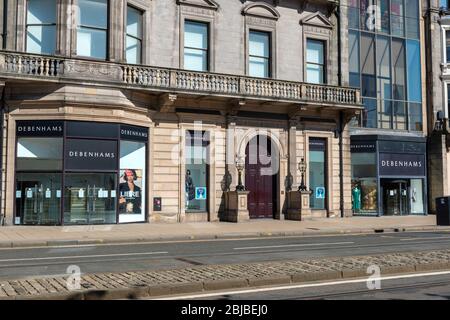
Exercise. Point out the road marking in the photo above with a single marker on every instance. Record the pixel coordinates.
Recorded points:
(431, 238)
(300, 286)
(87, 256)
(295, 245)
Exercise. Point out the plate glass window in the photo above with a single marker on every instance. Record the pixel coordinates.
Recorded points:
(92, 28)
(196, 175)
(259, 54)
(196, 46)
(41, 26)
(317, 173)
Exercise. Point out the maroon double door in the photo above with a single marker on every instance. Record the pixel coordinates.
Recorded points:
(262, 185)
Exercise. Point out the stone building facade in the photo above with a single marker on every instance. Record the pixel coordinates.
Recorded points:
(438, 81)
(138, 111)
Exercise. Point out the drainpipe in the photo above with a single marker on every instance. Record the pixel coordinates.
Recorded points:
(341, 115)
(2, 113)
(5, 23)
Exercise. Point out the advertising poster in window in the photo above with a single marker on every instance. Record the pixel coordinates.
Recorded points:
(130, 191)
(132, 182)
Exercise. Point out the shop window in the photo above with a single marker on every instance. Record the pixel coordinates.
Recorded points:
(90, 198)
(134, 36)
(39, 154)
(38, 198)
(132, 183)
(92, 28)
(315, 61)
(197, 171)
(259, 54)
(41, 26)
(417, 196)
(364, 183)
(196, 52)
(317, 173)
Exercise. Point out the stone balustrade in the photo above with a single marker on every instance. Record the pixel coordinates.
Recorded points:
(35, 66)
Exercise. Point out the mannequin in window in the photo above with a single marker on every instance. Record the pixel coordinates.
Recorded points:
(189, 188)
(356, 196)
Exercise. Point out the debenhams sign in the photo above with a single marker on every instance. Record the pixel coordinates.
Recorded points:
(39, 128)
(391, 164)
(82, 154)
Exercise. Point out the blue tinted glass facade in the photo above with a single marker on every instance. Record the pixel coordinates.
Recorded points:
(385, 62)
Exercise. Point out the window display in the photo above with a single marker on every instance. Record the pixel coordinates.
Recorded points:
(196, 176)
(317, 172)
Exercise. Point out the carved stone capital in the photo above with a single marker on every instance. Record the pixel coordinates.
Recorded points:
(166, 102)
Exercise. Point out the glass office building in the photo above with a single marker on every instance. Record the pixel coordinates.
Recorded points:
(385, 63)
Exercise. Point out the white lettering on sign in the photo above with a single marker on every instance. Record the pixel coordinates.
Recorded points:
(406, 164)
(91, 154)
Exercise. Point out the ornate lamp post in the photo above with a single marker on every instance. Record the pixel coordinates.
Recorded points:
(240, 165)
(302, 168)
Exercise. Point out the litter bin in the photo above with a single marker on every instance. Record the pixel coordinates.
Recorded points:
(443, 211)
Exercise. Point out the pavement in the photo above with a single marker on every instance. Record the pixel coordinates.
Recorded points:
(42, 236)
(196, 279)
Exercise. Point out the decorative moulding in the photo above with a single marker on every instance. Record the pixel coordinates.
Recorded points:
(261, 10)
(318, 20)
(207, 4)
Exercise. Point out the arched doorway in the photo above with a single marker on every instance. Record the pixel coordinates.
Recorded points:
(261, 177)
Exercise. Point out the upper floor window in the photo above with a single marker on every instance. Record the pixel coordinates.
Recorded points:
(196, 46)
(443, 4)
(315, 61)
(259, 54)
(92, 28)
(134, 36)
(447, 45)
(41, 26)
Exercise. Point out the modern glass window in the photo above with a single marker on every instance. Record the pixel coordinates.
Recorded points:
(134, 36)
(41, 26)
(364, 183)
(38, 197)
(90, 198)
(132, 182)
(398, 17)
(399, 69)
(259, 54)
(415, 117)
(197, 171)
(196, 43)
(318, 173)
(369, 118)
(417, 196)
(368, 77)
(315, 61)
(385, 60)
(39, 154)
(92, 28)
(354, 64)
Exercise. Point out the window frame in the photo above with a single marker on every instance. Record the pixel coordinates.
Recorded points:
(269, 58)
(208, 44)
(43, 25)
(324, 56)
(126, 35)
(107, 30)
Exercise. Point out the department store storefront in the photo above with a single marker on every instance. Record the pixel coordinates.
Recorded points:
(73, 172)
(388, 176)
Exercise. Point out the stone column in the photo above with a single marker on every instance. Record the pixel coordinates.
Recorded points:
(117, 12)
(64, 27)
